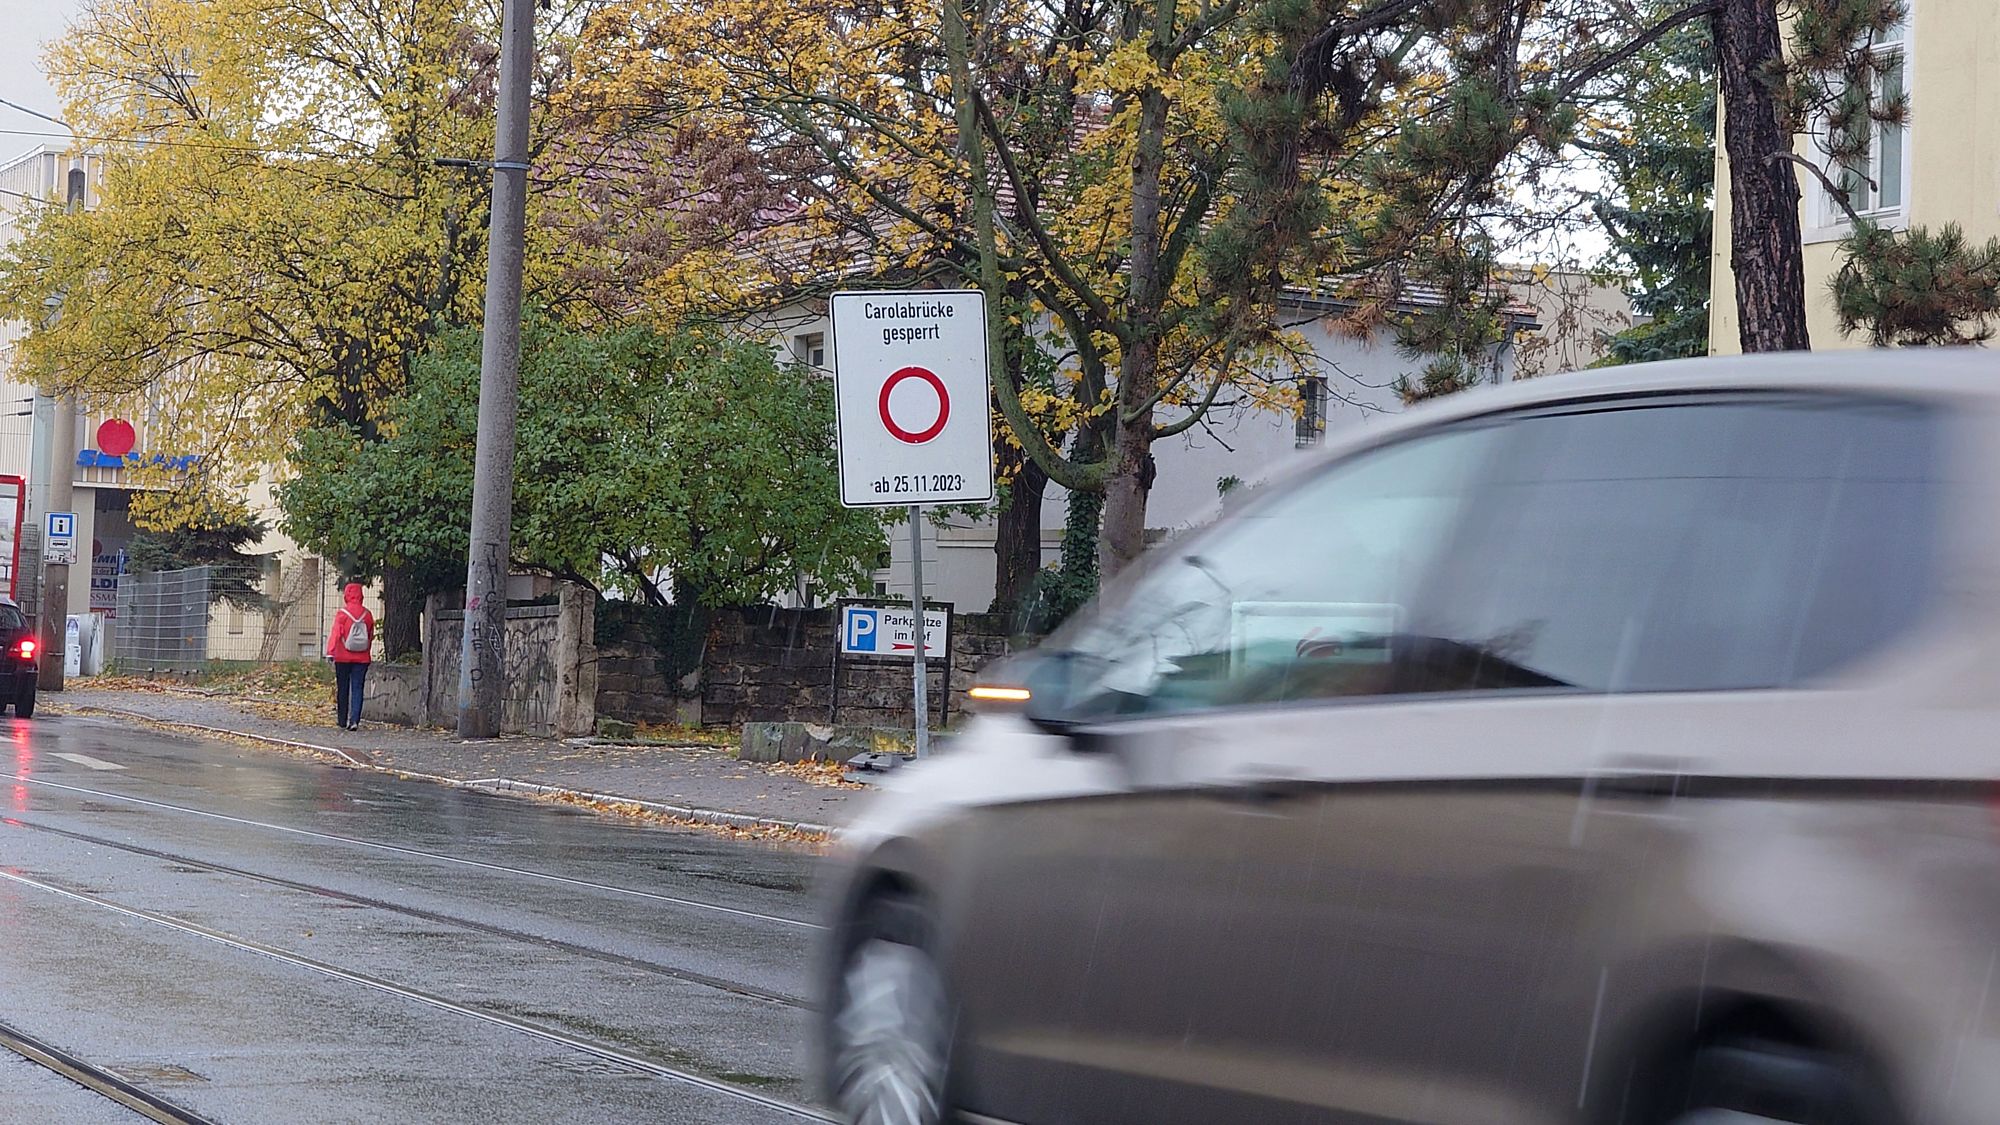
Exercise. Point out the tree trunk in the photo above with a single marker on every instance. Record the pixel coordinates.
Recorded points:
(1131, 476)
(1765, 247)
(1130, 479)
(1017, 543)
(402, 613)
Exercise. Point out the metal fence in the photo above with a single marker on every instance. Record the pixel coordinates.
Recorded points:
(28, 572)
(163, 621)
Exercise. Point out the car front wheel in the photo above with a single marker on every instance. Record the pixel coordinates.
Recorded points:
(891, 1026)
(1743, 1082)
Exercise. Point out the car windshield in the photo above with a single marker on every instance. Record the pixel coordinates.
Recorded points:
(1728, 545)
(1304, 591)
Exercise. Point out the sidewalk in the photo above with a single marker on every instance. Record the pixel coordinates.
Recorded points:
(700, 784)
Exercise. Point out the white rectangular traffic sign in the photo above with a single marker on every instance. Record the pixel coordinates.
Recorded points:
(884, 630)
(59, 540)
(911, 391)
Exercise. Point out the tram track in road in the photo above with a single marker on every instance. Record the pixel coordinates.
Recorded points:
(97, 1079)
(542, 1032)
(418, 853)
(687, 975)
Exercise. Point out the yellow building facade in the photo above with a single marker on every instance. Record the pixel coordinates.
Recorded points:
(1942, 167)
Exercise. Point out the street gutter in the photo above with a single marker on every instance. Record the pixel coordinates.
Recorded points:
(499, 786)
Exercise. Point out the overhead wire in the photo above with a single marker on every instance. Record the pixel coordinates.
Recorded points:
(248, 150)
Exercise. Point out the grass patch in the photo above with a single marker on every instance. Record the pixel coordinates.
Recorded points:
(684, 734)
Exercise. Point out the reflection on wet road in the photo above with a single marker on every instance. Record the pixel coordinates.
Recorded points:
(255, 938)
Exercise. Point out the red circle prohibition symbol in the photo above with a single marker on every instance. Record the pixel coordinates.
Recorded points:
(915, 437)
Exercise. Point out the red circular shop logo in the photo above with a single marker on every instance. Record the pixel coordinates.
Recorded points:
(116, 437)
(911, 435)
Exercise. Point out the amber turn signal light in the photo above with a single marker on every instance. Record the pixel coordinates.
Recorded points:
(994, 693)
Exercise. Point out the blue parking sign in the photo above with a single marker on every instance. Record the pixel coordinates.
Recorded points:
(890, 630)
(860, 629)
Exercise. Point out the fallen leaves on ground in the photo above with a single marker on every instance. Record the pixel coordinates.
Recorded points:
(301, 682)
(823, 772)
(304, 714)
(136, 683)
(766, 833)
(295, 681)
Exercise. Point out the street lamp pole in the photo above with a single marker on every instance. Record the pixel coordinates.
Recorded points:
(479, 665)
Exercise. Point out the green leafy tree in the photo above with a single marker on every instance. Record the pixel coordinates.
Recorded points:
(692, 470)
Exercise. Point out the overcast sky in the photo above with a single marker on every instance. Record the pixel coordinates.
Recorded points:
(24, 26)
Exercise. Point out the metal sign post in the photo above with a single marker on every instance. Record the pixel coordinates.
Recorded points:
(911, 388)
(920, 661)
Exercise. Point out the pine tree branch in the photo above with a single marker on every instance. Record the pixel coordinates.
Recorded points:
(1319, 47)
(1835, 192)
(1633, 46)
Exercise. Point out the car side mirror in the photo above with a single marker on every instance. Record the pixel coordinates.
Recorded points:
(1041, 686)
(1047, 680)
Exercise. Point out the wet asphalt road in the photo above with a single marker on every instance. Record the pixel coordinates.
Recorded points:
(261, 939)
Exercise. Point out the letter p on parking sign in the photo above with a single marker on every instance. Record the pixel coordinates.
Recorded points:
(860, 629)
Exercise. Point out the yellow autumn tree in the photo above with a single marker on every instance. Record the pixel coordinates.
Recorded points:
(274, 239)
(291, 207)
(1077, 161)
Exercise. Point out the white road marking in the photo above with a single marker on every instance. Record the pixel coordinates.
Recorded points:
(90, 762)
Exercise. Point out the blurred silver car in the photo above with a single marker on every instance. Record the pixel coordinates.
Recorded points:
(1616, 747)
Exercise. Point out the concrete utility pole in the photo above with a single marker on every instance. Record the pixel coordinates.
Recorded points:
(479, 662)
(62, 475)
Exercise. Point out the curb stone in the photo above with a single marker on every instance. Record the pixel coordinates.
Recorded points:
(681, 812)
(499, 786)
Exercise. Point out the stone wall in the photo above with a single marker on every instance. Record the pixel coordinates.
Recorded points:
(630, 686)
(550, 665)
(771, 665)
(394, 693)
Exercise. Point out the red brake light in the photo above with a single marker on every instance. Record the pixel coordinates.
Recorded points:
(26, 648)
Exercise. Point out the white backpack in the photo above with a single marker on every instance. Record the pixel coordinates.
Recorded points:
(357, 635)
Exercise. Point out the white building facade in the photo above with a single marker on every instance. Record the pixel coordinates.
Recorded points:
(1344, 382)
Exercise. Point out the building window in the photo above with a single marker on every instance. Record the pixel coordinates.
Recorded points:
(1874, 179)
(1312, 411)
(810, 349)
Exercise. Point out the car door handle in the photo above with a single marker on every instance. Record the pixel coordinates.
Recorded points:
(1259, 788)
(1643, 777)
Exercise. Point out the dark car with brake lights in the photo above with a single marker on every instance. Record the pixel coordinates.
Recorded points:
(20, 660)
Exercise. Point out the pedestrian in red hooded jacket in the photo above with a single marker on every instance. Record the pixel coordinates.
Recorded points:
(352, 646)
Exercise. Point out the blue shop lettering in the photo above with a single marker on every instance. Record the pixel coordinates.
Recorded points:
(95, 459)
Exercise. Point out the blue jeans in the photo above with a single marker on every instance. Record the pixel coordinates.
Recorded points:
(347, 682)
